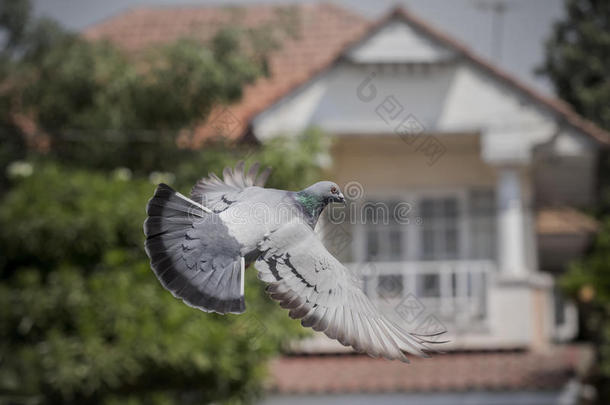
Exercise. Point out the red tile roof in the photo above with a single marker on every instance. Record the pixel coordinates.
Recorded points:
(323, 33)
(513, 371)
(564, 221)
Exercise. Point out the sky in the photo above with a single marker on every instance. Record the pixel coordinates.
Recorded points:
(517, 46)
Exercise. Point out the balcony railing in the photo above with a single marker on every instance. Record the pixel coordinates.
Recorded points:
(454, 291)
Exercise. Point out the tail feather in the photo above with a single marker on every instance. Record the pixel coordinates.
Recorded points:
(188, 256)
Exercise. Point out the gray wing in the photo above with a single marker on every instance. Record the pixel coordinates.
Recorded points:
(218, 194)
(306, 279)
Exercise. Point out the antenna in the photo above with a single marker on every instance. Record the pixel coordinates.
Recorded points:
(497, 8)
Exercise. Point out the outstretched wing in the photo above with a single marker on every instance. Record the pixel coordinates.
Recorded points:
(218, 194)
(306, 279)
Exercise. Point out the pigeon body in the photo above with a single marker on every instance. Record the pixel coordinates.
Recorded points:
(199, 248)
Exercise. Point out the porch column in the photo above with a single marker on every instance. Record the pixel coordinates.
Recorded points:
(511, 236)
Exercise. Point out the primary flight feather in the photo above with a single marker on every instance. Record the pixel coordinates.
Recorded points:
(199, 248)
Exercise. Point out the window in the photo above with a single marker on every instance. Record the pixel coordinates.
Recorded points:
(454, 225)
(384, 234)
(439, 229)
(482, 213)
(389, 286)
(559, 303)
(428, 285)
(372, 245)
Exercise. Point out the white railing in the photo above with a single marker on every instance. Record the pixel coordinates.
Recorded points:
(454, 291)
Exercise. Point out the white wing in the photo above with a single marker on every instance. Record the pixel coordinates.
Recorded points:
(306, 279)
(219, 194)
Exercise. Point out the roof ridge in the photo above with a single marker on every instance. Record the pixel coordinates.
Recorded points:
(110, 17)
(218, 6)
(556, 104)
(360, 28)
(344, 10)
(261, 4)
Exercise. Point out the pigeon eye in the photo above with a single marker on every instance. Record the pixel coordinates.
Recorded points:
(333, 190)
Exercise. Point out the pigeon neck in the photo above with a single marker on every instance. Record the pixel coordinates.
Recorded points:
(312, 205)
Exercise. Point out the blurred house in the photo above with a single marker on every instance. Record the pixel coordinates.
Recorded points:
(481, 179)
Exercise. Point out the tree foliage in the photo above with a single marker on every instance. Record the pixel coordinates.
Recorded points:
(82, 317)
(577, 60)
(100, 107)
(578, 56)
(588, 282)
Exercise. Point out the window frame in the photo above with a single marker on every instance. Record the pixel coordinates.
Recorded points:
(411, 241)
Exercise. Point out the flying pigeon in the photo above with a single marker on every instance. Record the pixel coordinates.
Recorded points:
(200, 246)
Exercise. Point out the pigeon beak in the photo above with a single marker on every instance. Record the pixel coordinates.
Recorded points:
(340, 199)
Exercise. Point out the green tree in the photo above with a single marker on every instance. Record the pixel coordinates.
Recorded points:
(577, 60)
(578, 56)
(101, 108)
(588, 282)
(83, 319)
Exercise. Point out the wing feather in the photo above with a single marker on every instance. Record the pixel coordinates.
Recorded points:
(218, 194)
(306, 279)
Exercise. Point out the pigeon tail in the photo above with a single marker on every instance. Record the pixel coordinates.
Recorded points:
(183, 242)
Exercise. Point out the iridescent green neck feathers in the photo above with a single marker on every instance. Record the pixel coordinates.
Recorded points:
(312, 204)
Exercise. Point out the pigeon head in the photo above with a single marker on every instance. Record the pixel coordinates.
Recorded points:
(316, 197)
(325, 191)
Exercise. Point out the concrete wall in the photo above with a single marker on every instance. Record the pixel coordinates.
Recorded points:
(386, 162)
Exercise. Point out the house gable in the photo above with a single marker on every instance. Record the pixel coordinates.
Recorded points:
(397, 42)
(445, 87)
(329, 36)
